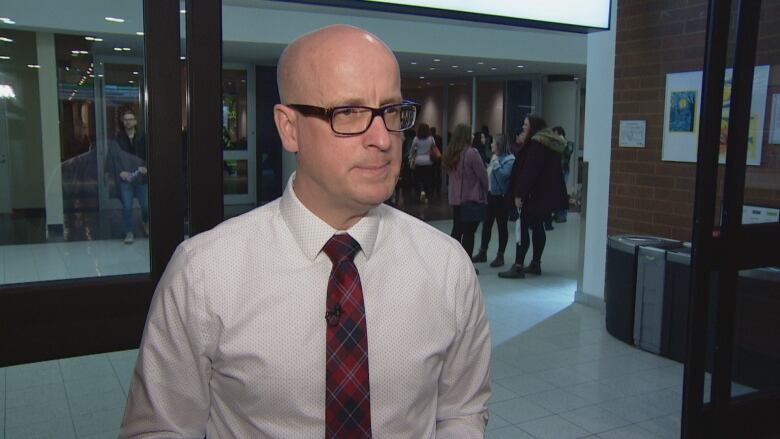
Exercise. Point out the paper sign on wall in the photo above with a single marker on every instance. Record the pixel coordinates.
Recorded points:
(632, 133)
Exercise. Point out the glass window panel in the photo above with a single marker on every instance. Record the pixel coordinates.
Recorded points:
(66, 155)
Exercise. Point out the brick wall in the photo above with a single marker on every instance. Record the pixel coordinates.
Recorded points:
(654, 38)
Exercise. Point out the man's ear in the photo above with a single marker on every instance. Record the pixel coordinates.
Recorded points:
(286, 124)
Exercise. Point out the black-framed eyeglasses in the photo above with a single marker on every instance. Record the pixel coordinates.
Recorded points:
(356, 119)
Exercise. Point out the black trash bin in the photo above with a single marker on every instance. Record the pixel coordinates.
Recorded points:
(620, 282)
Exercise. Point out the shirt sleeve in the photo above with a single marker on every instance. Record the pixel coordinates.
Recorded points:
(464, 384)
(169, 391)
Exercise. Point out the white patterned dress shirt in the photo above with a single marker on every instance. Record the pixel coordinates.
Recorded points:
(234, 345)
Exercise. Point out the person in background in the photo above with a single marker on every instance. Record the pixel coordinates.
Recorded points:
(499, 169)
(437, 183)
(423, 163)
(536, 187)
(487, 141)
(560, 215)
(343, 317)
(126, 162)
(467, 189)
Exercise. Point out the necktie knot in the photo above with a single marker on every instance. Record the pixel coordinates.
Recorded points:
(341, 247)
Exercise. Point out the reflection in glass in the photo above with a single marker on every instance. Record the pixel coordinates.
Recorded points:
(62, 147)
(235, 177)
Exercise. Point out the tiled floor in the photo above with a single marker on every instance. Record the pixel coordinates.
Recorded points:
(556, 372)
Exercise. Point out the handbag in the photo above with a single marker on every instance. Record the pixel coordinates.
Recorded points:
(435, 153)
(412, 158)
(470, 210)
(514, 214)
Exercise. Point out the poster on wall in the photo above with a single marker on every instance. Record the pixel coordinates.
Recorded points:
(682, 106)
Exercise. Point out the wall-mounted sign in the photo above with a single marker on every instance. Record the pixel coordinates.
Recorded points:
(569, 15)
(632, 133)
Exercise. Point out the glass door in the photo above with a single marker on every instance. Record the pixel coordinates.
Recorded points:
(238, 138)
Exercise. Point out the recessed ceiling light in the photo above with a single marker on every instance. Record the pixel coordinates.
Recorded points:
(414, 63)
(469, 71)
(135, 73)
(7, 20)
(454, 67)
(117, 49)
(83, 52)
(100, 75)
(115, 20)
(436, 60)
(91, 76)
(422, 77)
(520, 66)
(93, 39)
(6, 40)
(131, 81)
(479, 63)
(576, 78)
(431, 68)
(34, 66)
(140, 34)
(182, 11)
(125, 49)
(492, 68)
(182, 58)
(5, 57)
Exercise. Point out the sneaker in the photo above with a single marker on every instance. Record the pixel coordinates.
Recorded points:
(129, 238)
(480, 257)
(498, 261)
(146, 229)
(534, 268)
(514, 272)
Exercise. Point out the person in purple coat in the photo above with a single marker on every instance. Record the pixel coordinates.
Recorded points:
(467, 191)
(536, 186)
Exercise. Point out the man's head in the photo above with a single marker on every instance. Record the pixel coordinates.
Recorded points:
(339, 177)
(129, 121)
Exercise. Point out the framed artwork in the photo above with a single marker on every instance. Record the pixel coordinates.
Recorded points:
(682, 110)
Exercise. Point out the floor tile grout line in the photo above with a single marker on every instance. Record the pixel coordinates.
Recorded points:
(116, 375)
(67, 399)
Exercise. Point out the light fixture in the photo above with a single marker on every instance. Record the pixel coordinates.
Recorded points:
(454, 67)
(436, 60)
(479, 63)
(131, 81)
(100, 75)
(5, 57)
(117, 49)
(469, 71)
(520, 66)
(6, 40)
(492, 68)
(96, 39)
(34, 66)
(91, 76)
(7, 20)
(422, 77)
(125, 49)
(140, 34)
(182, 58)
(431, 68)
(182, 11)
(6, 92)
(115, 20)
(135, 73)
(414, 63)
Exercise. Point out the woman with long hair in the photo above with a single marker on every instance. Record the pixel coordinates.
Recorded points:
(536, 187)
(423, 163)
(468, 185)
(499, 170)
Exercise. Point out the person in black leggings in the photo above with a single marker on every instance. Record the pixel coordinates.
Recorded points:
(537, 188)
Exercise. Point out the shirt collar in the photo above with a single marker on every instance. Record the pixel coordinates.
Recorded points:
(311, 233)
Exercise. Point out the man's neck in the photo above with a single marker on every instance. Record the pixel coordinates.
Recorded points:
(130, 132)
(338, 219)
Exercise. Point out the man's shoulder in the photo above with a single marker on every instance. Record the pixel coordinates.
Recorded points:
(407, 229)
(239, 229)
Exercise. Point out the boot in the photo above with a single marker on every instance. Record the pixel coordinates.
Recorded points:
(514, 272)
(481, 256)
(498, 261)
(535, 267)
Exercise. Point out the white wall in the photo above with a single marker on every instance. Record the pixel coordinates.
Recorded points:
(459, 108)
(559, 105)
(597, 151)
(490, 106)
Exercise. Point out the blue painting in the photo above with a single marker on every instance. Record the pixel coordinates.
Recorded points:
(682, 111)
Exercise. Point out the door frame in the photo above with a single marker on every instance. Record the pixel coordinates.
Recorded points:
(735, 247)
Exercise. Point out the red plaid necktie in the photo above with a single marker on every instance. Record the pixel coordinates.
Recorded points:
(348, 401)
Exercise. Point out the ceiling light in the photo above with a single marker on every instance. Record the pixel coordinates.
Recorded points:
(452, 83)
(414, 63)
(422, 77)
(520, 66)
(5, 57)
(131, 81)
(140, 34)
(125, 49)
(576, 78)
(100, 75)
(454, 67)
(7, 20)
(34, 66)
(135, 73)
(117, 49)
(479, 63)
(436, 60)
(431, 68)
(91, 76)
(469, 71)
(182, 11)
(492, 68)
(115, 20)
(182, 58)
(6, 40)
(83, 52)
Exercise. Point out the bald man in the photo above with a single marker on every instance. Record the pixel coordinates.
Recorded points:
(324, 313)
